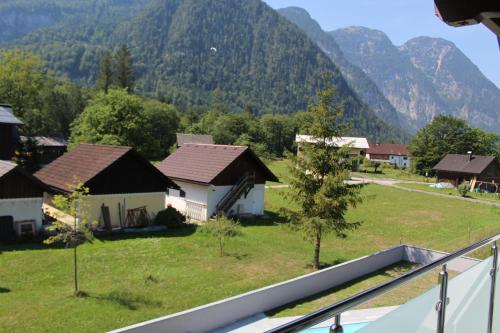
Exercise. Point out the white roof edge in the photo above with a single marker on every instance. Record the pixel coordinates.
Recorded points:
(354, 142)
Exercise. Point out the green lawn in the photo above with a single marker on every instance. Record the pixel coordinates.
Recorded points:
(451, 191)
(399, 174)
(134, 278)
(280, 169)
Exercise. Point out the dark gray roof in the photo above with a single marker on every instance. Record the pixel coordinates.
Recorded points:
(7, 116)
(462, 164)
(6, 167)
(45, 141)
(182, 139)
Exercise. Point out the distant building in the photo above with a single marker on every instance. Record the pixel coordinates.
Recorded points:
(182, 139)
(49, 148)
(394, 154)
(358, 146)
(455, 169)
(21, 197)
(9, 134)
(216, 179)
(120, 181)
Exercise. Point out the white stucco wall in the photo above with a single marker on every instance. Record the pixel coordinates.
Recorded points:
(209, 196)
(23, 209)
(154, 203)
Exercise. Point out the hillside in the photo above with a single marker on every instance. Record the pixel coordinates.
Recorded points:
(366, 89)
(261, 59)
(423, 78)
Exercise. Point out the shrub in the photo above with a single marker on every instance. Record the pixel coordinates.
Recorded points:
(171, 218)
(463, 189)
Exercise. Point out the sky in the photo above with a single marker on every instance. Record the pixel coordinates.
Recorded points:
(402, 20)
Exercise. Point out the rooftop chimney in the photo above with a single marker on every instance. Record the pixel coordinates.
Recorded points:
(469, 153)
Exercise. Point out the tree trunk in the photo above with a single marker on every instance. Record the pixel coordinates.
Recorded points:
(76, 270)
(317, 248)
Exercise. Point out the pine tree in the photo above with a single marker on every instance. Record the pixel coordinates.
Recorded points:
(105, 78)
(124, 69)
(318, 178)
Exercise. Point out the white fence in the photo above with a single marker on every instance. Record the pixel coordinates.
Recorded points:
(219, 314)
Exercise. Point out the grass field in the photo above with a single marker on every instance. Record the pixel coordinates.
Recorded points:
(133, 278)
(280, 169)
(399, 174)
(451, 191)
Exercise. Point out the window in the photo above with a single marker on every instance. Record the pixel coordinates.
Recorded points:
(405, 158)
(182, 193)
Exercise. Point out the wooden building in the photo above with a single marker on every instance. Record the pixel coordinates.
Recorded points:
(455, 169)
(48, 148)
(216, 179)
(9, 135)
(21, 197)
(119, 179)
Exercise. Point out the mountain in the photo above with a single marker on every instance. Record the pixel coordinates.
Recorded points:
(366, 89)
(184, 49)
(457, 80)
(423, 78)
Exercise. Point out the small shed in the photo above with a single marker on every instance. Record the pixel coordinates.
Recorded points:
(9, 134)
(182, 139)
(455, 169)
(48, 148)
(216, 179)
(120, 181)
(21, 197)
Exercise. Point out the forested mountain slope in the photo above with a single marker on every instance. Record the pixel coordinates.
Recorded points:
(184, 49)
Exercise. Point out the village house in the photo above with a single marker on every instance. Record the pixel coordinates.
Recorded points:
(358, 146)
(480, 171)
(182, 139)
(21, 197)
(393, 154)
(48, 148)
(123, 185)
(9, 134)
(216, 179)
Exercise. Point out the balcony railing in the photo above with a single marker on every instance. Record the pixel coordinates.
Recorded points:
(441, 303)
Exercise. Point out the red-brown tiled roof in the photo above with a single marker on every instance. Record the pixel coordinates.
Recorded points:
(388, 149)
(464, 164)
(80, 165)
(6, 167)
(202, 163)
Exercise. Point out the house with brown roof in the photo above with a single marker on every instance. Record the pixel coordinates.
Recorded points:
(216, 179)
(182, 139)
(477, 170)
(120, 181)
(394, 154)
(21, 198)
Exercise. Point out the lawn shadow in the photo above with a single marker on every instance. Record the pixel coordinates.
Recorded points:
(177, 232)
(237, 256)
(398, 268)
(4, 290)
(269, 219)
(28, 246)
(128, 300)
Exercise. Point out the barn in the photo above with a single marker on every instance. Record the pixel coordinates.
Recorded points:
(216, 179)
(479, 171)
(21, 197)
(121, 182)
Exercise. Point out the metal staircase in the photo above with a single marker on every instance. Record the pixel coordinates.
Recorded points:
(241, 188)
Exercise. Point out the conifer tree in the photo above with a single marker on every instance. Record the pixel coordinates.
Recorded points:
(105, 78)
(318, 177)
(124, 71)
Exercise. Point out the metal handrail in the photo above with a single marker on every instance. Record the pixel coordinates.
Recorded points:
(348, 303)
(241, 182)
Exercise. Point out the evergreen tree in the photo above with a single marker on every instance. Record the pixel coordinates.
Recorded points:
(105, 78)
(318, 178)
(124, 69)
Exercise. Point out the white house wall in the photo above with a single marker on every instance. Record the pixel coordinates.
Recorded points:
(23, 209)
(208, 196)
